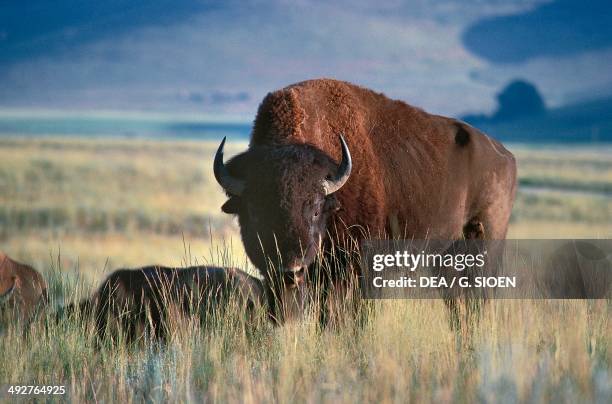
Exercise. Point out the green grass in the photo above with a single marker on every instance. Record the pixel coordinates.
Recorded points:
(76, 209)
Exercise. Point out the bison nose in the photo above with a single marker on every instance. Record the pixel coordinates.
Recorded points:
(293, 268)
(294, 275)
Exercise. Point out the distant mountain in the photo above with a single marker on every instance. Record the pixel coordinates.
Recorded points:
(577, 123)
(519, 99)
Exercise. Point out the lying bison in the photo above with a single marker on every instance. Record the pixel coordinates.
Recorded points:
(300, 189)
(22, 289)
(145, 301)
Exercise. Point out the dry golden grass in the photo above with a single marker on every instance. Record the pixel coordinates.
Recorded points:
(520, 351)
(84, 207)
(575, 167)
(126, 202)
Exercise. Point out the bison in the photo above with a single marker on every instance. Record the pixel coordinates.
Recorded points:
(22, 289)
(330, 163)
(143, 301)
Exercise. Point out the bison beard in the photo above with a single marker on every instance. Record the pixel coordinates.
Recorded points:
(414, 175)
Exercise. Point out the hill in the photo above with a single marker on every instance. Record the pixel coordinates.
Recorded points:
(577, 123)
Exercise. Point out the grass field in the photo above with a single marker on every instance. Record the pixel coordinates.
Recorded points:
(76, 209)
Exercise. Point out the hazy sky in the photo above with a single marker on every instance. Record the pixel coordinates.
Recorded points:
(447, 56)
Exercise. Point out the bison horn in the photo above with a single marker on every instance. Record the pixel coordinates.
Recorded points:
(344, 171)
(231, 185)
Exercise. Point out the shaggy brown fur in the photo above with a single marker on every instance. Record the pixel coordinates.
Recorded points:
(405, 161)
(141, 301)
(415, 174)
(22, 289)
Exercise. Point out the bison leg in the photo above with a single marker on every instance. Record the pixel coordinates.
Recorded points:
(341, 302)
(347, 306)
(464, 309)
(101, 319)
(159, 322)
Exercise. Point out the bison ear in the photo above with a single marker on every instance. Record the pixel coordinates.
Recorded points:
(231, 206)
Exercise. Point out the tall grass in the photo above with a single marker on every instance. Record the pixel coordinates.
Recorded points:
(403, 351)
(77, 209)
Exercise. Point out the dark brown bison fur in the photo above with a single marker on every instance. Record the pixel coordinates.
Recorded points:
(23, 291)
(142, 301)
(414, 175)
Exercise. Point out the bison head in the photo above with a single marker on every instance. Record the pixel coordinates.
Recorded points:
(283, 196)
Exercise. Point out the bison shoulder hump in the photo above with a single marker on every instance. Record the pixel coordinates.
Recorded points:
(279, 115)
